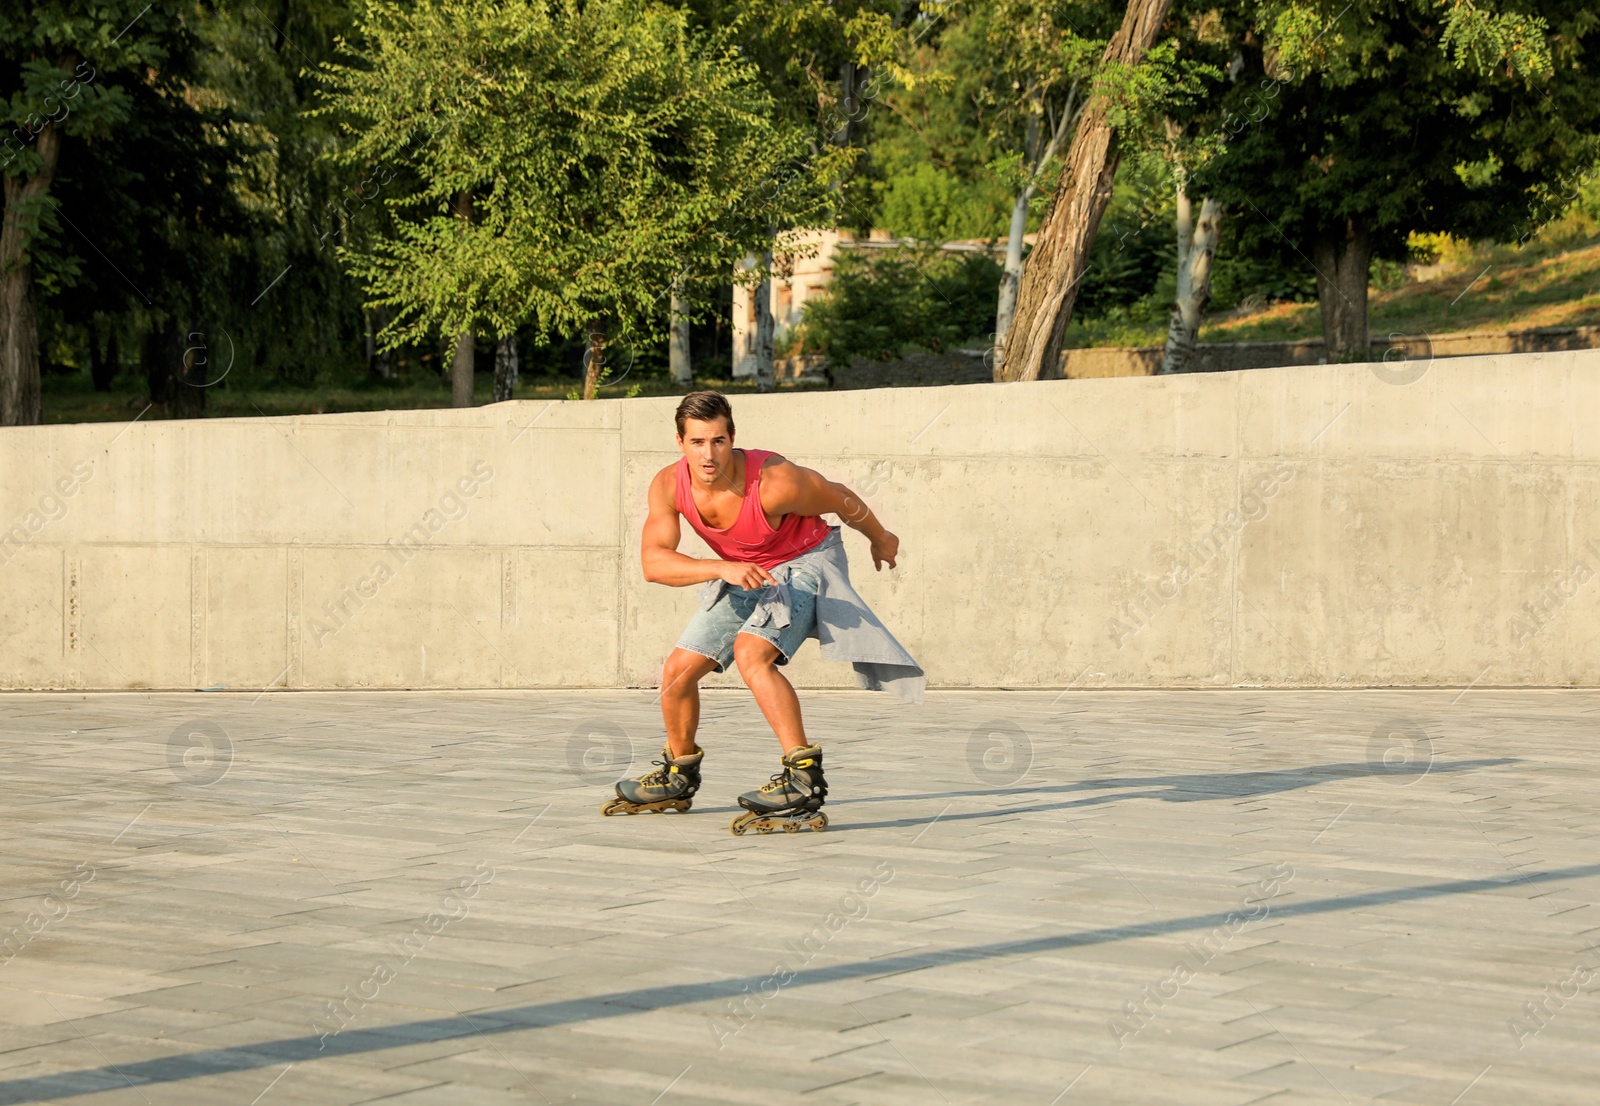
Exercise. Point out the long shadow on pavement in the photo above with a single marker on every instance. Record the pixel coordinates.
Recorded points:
(1186, 788)
(194, 1065)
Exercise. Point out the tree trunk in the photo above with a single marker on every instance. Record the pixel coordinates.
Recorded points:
(596, 357)
(21, 403)
(102, 359)
(505, 367)
(765, 325)
(1011, 277)
(461, 367)
(849, 107)
(155, 375)
(1197, 245)
(372, 346)
(678, 355)
(1060, 256)
(383, 359)
(461, 370)
(167, 372)
(1343, 257)
(190, 363)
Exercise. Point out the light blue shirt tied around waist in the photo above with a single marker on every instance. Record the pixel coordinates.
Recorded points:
(846, 629)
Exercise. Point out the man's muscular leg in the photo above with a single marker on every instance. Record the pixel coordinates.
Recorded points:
(680, 697)
(757, 660)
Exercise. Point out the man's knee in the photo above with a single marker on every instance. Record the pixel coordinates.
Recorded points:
(752, 653)
(683, 671)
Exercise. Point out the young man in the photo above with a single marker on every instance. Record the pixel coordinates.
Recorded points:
(780, 577)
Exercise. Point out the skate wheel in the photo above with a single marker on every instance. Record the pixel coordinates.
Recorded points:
(789, 827)
(740, 823)
(615, 806)
(819, 823)
(764, 827)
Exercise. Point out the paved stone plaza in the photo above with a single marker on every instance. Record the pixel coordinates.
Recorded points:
(1095, 897)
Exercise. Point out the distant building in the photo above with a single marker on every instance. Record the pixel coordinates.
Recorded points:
(809, 277)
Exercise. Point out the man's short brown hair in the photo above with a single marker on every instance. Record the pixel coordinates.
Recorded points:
(704, 406)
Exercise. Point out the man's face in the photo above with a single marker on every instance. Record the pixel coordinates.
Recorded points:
(709, 448)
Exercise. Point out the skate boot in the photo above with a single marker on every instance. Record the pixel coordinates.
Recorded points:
(669, 787)
(791, 801)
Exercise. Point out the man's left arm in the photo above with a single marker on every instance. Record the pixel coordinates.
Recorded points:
(796, 489)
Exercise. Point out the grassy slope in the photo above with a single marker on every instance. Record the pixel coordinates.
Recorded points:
(1491, 289)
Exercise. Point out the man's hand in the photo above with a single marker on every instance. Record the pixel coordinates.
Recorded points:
(885, 547)
(747, 576)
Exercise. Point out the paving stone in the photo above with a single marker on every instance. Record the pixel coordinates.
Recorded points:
(1019, 937)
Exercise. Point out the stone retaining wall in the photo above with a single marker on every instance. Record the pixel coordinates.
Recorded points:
(975, 366)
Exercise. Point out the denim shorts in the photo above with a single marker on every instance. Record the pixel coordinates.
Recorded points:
(711, 632)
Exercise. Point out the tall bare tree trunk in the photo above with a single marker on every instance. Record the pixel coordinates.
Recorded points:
(461, 367)
(1343, 257)
(165, 366)
(380, 362)
(190, 363)
(103, 359)
(1197, 245)
(505, 367)
(1011, 276)
(1060, 257)
(596, 358)
(765, 326)
(678, 355)
(21, 403)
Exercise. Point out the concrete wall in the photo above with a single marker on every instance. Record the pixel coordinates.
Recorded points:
(1317, 526)
(1101, 361)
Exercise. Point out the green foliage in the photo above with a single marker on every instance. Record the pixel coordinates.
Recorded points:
(1135, 246)
(606, 148)
(934, 205)
(189, 184)
(298, 199)
(1372, 122)
(1483, 41)
(933, 137)
(1139, 96)
(881, 301)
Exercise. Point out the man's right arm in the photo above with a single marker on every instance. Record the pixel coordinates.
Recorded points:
(658, 555)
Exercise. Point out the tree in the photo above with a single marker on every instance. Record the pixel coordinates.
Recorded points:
(823, 62)
(1197, 245)
(1044, 63)
(177, 213)
(1057, 263)
(608, 149)
(70, 70)
(1365, 122)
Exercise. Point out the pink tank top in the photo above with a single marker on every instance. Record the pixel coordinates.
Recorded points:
(750, 539)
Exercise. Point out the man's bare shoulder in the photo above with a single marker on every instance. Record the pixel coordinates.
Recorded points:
(779, 469)
(664, 485)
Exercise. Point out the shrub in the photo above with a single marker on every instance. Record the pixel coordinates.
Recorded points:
(882, 301)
